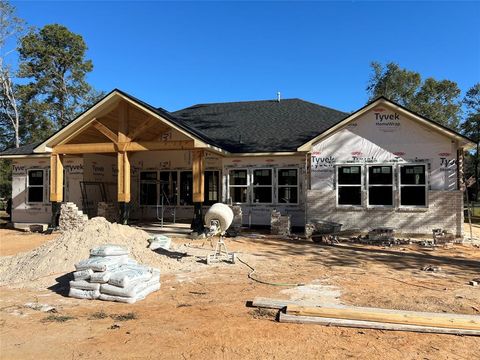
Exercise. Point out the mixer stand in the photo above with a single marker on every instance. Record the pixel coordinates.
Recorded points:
(221, 253)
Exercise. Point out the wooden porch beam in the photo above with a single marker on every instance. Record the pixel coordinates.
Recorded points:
(56, 178)
(123, 183)
(105, 130)
(159, 145)
(123, 123)
(94, 148)
(142, 128)
(198, 169)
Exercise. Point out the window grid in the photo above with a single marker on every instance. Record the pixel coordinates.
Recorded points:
(35, 186)
(258, 186)
(424, 185)
(286, 186)
(359, 185)
(391, 184)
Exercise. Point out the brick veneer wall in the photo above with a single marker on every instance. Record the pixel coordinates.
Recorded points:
(445, 210)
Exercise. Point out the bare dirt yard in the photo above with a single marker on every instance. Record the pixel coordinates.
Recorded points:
(200, 312)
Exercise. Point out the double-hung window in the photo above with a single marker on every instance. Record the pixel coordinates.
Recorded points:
(148, 188)
(349, 185)
(287, 183)
(238, 184)
(413, 185)
(262, 186)
(380, 185)
(35, 186)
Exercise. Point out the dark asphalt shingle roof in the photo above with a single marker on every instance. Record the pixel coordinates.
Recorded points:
(260, 126)
(22, 150)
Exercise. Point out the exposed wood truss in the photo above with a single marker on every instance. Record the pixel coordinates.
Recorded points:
(99, 148)
(105, 131)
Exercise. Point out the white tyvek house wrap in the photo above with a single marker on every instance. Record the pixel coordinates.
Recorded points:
(384, 136)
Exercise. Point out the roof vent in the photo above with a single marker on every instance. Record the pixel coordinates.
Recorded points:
(278, 96)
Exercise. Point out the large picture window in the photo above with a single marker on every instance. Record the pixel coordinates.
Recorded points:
(349, 185)
(262, 186)
(238, 185)
(148, 188)
(287, 183)
(413, 185)
(380, 185)
(35, 186)
(212, 188)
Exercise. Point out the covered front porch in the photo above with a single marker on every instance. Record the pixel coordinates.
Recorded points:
(136, 160)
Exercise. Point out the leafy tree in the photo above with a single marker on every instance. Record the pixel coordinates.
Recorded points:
(471, 128)
(53, 60)
(11, 27)
(436, 100)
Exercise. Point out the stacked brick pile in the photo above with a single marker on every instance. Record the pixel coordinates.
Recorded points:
(280, 225)
(71, 218)
(107, 210)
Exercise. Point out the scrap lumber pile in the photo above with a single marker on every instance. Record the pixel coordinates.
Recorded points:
(372, 318)
(108, 274)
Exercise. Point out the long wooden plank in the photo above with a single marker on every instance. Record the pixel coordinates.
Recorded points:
(286, 318)
(159, 145)
(395, 318)
(280, 304)
(98, 148)
(56, 177)
(198, 170)
(123, 177)
(142, 128)
(105, 131)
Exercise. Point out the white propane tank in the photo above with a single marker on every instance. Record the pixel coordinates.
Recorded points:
(222, 213)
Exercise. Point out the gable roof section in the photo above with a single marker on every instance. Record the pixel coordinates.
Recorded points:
(106, 104)
(463, 140)
(260, 126)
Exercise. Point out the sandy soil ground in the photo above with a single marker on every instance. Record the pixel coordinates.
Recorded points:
(13, 241)
(202, 314)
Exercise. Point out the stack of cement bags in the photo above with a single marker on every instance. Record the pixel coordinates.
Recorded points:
(108, 274)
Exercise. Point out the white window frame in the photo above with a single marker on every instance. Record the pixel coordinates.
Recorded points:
(140, 182)
(41, 186)
(361, 185)
(368, 185)
(247, 186)
(288, 186)
(410, 185)
(253, 186)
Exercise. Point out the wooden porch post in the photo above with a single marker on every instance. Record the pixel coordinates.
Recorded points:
(56, 186)
(123, 180)
(198, 169)
(123, 183)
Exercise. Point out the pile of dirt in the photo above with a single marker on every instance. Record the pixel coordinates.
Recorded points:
(59, 255)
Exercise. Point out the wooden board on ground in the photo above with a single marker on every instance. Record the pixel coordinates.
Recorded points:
(286, 318)
(402, 317)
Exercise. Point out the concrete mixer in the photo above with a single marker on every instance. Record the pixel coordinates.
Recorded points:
(217, 220)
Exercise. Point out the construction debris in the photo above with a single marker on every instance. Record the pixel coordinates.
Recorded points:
(475, 282)
(71, 218)
(113, 276)
(160, 242)
(372, 318)
(382, 235)
(280, 224)
(431, 268)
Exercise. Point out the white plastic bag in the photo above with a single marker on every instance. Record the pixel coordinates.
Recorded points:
(101, 263)
(84, 294)
(84, 285)
(82, 274)
(160, 242)
(101, 277)
(109, 250)
(129, 274)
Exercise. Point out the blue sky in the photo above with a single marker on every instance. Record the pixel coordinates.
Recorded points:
(177, 54)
